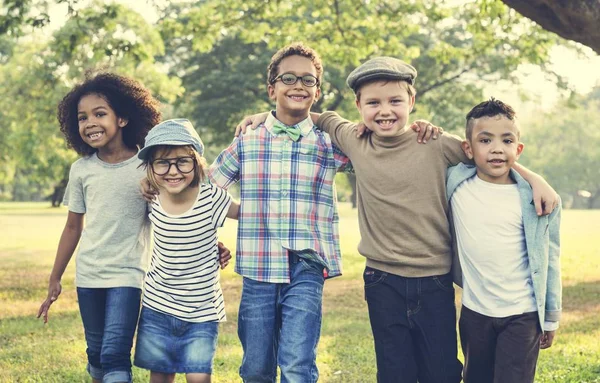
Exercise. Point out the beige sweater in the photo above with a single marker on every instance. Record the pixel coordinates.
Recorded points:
(401, 197)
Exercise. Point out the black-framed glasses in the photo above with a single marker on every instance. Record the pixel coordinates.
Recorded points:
(290, 79)
(184, 165)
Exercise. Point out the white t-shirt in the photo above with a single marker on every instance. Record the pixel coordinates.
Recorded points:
(183, 279)
(492, 250)
(115, 243)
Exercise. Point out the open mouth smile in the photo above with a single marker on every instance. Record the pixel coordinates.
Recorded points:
(386, 123)
(95, 135)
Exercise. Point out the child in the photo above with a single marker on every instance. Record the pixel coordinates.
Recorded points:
(104, 119)
(182, 303)
(511, 301)
(288, 225)
(405, 236)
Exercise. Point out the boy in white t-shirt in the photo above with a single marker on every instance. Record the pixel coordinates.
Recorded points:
(508, 257)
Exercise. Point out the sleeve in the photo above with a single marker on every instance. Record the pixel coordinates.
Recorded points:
(550, 326)
(554, 284)
(342, 162)
(220, 205)
(452, 150)
(341, 131)
(225, 171)
(74, 196)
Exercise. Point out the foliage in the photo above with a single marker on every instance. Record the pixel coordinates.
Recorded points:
(212, 43)
(564, 145)
(38, 74)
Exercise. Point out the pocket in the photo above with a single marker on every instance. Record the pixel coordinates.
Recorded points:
(444, 282)
(373, 277)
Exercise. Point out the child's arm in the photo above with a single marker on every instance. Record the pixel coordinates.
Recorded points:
(424, 129)
(234, 210)
(224, 255)
(553, 285)
(545, 197)
(66, 247)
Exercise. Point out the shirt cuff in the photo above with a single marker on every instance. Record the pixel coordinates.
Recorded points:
(550, 326)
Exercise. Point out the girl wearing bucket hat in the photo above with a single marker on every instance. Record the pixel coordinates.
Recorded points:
(182, 303)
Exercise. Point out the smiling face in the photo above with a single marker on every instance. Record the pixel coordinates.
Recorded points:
(175, 180)
(293, 102)
(384, 106)
(99, 126)
(494, 146)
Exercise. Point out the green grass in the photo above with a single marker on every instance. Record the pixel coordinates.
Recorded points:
(33, 352)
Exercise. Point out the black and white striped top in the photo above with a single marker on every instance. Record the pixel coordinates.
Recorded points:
(183, 278)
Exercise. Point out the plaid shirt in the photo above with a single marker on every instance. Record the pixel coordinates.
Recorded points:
(287, 199)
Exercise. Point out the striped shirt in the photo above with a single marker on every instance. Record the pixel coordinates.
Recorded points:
(183, 279)
(287, 199)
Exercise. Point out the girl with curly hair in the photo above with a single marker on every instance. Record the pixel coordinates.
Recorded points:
(105, 120)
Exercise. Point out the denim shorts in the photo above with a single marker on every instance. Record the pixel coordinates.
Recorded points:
(170, 345)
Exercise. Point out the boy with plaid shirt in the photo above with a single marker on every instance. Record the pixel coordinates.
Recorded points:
(288, 225)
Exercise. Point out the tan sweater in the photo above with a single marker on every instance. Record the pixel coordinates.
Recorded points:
(401, 197)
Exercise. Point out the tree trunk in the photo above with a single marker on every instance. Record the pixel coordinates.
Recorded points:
(59, 193)
(573, 19)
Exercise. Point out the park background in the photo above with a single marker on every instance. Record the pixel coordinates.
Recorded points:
(206, 61)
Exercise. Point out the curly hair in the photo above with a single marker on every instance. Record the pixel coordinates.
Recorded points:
(295, 49)
(127, 97)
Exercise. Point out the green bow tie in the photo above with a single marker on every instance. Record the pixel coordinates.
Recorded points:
(292, 131)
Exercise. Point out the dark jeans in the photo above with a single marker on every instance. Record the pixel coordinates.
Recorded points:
(109, 319)
(499, 350)
(414, 327)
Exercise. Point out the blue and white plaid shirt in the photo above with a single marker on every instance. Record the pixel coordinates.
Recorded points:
(287, 199)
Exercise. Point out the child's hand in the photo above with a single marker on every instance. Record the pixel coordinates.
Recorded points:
(148, 191)
(545, 198)
(426, 130)
(224, 255)
(361, 129)
(54, 289)
(547, 339)
(253, 121)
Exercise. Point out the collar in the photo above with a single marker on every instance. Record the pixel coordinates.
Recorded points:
(305, 125)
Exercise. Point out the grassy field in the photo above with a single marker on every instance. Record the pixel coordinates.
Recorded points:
(33, 352)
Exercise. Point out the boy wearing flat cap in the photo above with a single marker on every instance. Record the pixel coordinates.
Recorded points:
(402, 210)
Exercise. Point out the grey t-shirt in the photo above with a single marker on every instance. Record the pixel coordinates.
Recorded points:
(114, 245)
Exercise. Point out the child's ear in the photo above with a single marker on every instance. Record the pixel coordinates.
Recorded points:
(271, 91)
(122, 122)
(520, 147)
(317, 94)
(466, 147)
(412, 103)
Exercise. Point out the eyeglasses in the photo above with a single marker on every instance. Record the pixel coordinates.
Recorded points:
(184, 165)
(290, 79)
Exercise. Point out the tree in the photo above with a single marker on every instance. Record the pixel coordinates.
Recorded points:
(39, 74)
(221, 51)
(564, 147)
(574, 20)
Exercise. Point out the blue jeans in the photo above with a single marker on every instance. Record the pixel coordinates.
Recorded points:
(280, 324)
(170, 345)
(109, 319)
(414, 327)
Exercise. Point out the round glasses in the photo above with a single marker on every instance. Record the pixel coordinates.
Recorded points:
(184, 165)
(290, 79)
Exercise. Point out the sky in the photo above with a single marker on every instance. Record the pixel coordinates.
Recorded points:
(581, 70)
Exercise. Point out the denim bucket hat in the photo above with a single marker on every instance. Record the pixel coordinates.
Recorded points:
(176, 132)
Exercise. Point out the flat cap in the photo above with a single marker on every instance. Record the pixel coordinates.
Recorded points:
(176, 132)
(381, 68)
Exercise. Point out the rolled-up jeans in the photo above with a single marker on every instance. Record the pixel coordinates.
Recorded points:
(109, 318)
(280, 324)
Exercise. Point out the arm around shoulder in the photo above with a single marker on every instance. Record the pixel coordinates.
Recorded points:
(341, 131)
